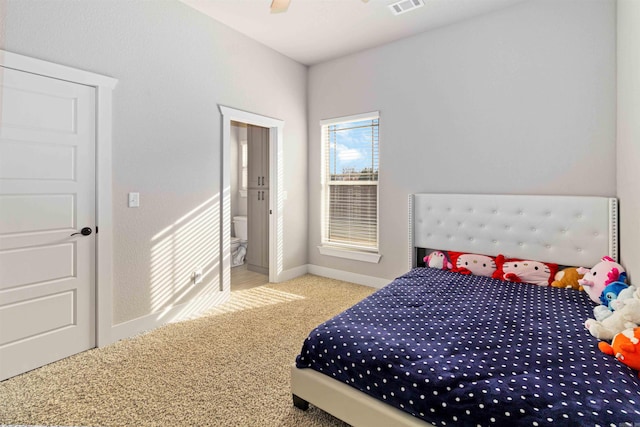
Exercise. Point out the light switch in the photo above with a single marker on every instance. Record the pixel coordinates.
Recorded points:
(134, 200)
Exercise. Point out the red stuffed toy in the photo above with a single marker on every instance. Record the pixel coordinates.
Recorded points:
(476, 264)
(527, 271)
(625, 347)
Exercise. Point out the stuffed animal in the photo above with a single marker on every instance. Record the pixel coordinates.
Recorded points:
(476, 264)
(624, 347)
(629, 292)
(597, 278)
(626, 317)
(527, 271)
(601, 312)
(567, 278)
(608, 296)
(437, 259)
(611, 292)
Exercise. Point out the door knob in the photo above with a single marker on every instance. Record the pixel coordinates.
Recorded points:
(85, 231)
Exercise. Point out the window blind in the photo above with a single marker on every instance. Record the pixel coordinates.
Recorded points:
(351, 183)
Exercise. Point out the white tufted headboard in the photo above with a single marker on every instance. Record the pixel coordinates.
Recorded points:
(566, 230)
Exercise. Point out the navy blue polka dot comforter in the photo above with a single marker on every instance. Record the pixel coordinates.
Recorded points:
(467, 350)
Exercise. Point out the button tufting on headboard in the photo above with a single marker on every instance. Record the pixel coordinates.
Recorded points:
(568, 230)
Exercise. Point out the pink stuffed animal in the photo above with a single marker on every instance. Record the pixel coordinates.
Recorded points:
(527, 271)
(597, 278)
(437, 259)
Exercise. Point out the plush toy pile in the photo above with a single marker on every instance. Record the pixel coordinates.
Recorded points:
(604, 283)
(617, 318)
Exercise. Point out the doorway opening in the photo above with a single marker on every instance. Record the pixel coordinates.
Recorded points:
(249, 151)
(262, 192)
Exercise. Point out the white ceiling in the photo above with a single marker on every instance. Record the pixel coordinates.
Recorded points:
(313, 31)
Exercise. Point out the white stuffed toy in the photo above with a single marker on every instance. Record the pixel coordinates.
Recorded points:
(625, 294)
(601, 312)
(628, 316)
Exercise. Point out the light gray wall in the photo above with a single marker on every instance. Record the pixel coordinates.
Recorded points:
(629, 135)
(175, 66)
(519, 101)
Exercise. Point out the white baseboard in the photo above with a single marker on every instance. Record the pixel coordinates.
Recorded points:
(360, 279)
(191, 309)
(174, 314)
(292, 273)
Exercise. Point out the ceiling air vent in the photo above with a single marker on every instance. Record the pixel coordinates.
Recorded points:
(403, 6)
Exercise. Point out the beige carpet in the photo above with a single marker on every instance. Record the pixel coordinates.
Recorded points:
(227, 368)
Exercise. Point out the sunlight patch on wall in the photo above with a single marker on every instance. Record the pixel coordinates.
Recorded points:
(226, 240)
(202, 303)
(191, 243)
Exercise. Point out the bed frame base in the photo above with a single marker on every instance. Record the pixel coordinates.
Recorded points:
(300, 403)
(345, 402)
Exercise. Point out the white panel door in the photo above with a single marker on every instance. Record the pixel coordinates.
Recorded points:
(47, 193)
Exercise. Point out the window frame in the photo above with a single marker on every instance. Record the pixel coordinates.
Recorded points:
(337, 249)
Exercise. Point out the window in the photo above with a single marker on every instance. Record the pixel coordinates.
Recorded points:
(350, 163)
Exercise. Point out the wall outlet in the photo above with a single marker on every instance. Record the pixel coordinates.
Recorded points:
(197, 276)
(134, 200)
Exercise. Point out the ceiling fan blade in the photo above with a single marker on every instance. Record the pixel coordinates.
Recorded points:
(279, 6)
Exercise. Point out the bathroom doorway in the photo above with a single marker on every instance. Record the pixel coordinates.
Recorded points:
(267, 191)
(249, 198)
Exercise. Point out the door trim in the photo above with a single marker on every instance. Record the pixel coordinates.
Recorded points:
(104, 239)
(276, 134)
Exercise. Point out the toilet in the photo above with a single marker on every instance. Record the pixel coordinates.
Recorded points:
(239, 242)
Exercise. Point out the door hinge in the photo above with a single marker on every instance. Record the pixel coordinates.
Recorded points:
(270, 212)
(96, 229)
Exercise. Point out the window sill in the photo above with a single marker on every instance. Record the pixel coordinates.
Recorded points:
(350, 254)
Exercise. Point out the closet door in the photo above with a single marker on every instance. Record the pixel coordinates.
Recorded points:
(254, 148)
(264, 219)
(254, 228)
(258, 203)
(258, 149)
(258, 230)
(264, 162)
(47, 196)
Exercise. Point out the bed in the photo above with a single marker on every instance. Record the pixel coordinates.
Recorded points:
(436, 347)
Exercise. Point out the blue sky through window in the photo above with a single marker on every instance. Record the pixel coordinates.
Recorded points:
(353, 147)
